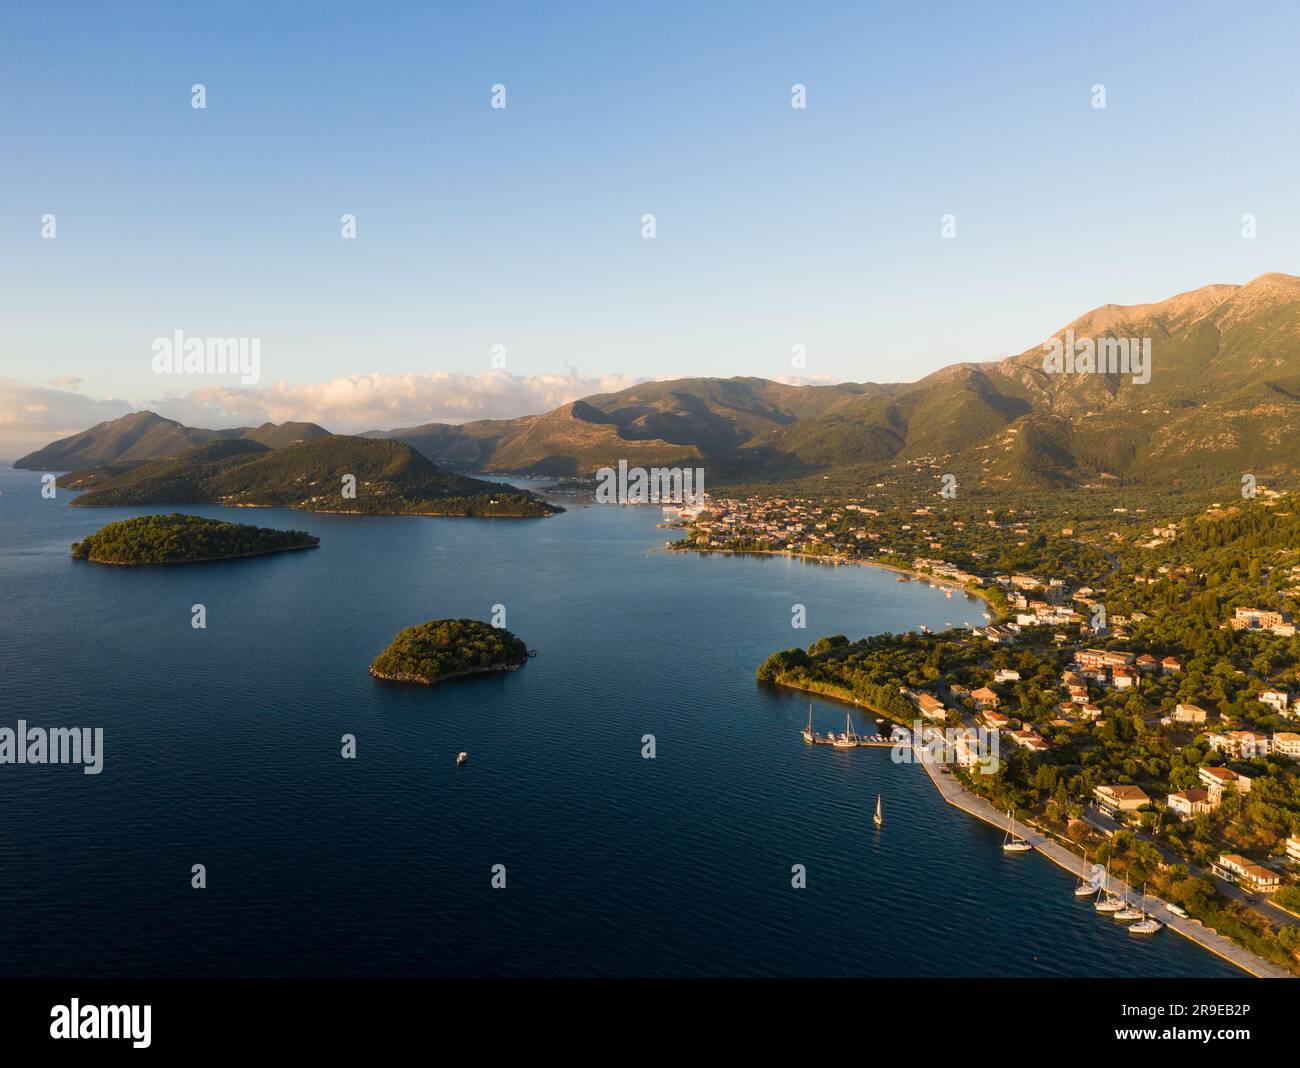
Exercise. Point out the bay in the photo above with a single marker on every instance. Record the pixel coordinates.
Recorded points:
(222, 748)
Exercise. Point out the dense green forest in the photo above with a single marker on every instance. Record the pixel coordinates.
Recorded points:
(441, 648)
(178, 539)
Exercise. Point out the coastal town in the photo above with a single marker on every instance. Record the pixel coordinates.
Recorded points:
(1141, 675)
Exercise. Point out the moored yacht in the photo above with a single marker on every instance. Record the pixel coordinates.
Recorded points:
(1085, 887)
(847, 740)
(807, 732)
(1128, 914)
(1013, 843)
(1149, 924)
(1108, 903)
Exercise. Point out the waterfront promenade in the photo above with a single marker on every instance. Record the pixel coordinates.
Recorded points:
(957, 795)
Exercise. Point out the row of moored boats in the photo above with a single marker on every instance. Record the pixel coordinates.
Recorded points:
(848, 740)
(1118, 906)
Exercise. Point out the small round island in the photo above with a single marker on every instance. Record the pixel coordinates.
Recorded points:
(447, 648)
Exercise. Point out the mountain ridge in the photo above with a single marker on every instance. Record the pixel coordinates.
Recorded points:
(331, 473)
(144, 435)
(1223, 399)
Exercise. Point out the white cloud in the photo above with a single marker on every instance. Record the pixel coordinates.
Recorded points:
(806, 380)
(382, 401)
(32, 416)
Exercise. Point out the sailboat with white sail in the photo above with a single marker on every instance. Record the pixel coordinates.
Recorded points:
(1148, 924)
(849, 739)
(1128, 914)
(1013, 843)
(877, 819)
(1108, 903)
(1085, 887)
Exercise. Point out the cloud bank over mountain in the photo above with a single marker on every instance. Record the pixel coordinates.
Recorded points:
(32, 414)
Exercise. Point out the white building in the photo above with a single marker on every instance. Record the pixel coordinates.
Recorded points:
(1185, 713)
(1278, 700)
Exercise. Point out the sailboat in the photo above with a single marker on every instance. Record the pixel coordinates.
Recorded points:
(1013, 843)
(847, 740)
(461, 758)
(1109, 903)
(1085, 887)
(1149, 924)
(877, 819)
(807, 732)
(1128, 913)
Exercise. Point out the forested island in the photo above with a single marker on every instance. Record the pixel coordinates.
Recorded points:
(444, 648)
(184, 539)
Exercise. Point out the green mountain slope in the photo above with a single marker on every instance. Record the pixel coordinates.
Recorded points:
(144, 436)
(1222, 400)
(389, 476)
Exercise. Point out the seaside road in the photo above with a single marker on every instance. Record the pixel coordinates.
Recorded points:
(958, 796)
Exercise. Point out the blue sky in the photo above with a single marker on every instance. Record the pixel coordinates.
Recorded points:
(521, 227)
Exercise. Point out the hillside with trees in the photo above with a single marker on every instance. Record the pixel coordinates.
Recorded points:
(445, 648)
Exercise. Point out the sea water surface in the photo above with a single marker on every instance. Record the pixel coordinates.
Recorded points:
(222, 748)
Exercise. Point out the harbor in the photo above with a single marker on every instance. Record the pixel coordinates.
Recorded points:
(1115, 898)
(849, 739)
(958, 796)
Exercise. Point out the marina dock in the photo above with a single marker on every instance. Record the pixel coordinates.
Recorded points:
(875, 741)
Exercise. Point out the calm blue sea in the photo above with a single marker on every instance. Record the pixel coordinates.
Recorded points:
(222, 747)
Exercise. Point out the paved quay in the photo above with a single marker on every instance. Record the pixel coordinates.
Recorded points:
(958, 796)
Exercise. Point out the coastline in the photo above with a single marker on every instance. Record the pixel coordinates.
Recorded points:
(555, 509)
(1044, 843)
(353, 511)
(934, 580)
(197, 559)
(450, 675)
(957, 795)
(428, 515)
(837, 693)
